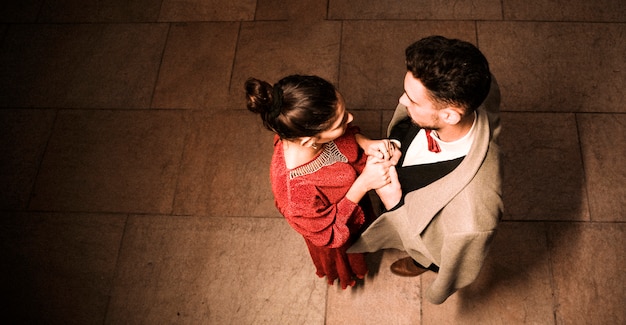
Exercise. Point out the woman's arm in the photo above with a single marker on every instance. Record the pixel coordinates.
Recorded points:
(320, 221)
(327, 223)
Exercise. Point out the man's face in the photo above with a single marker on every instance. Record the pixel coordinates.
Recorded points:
(421, 108)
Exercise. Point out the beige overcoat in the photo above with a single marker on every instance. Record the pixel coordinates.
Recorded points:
(451, 222)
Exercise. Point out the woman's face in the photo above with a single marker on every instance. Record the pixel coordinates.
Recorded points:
(339, 125)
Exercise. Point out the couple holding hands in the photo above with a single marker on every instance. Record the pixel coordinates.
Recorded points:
(437, 174)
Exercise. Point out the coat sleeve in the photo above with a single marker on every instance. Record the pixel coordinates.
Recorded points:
(317, 219)
(462, 258)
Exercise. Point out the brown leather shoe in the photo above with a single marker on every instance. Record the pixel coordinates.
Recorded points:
(406, 267)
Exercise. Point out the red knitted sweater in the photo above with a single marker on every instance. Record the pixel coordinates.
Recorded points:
(312, 199)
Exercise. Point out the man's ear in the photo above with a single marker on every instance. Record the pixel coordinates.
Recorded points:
(450, 115)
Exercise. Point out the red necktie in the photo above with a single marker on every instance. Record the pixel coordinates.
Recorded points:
(433, 146)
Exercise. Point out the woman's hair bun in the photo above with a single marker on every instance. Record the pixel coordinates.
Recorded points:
(258, 95)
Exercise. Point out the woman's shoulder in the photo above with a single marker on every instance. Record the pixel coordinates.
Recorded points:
(296, 156)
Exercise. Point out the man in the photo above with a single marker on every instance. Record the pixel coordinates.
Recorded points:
(447, 124)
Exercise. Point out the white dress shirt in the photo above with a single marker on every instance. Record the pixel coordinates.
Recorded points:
(418, 153)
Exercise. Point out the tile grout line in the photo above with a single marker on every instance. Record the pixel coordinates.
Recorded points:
(232, 66)
(160, 65)
(188, 116)
(115, 272)
(41, 158)
(582, 162)
(555, 299)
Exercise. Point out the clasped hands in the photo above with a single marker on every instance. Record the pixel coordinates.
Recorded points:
(383, 155)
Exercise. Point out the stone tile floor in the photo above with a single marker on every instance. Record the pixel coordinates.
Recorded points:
(135, 184)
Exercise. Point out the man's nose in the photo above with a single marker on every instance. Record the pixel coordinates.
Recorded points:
(404, 100)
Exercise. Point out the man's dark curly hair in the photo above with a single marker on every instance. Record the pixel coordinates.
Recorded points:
(455, 72)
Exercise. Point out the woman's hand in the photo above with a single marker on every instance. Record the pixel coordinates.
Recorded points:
(382, 149)
(375, 175)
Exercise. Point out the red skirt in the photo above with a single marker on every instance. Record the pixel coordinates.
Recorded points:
(335, 263)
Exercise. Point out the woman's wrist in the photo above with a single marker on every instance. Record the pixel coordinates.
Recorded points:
(357, 191)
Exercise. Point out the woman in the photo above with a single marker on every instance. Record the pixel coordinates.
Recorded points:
(320, 172)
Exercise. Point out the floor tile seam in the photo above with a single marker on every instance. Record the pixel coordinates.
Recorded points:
(192, 21)
(80, 212)
(585, 222)
(104, 22)
(180, 171)
(103, 109)
(240, 109)
(600, 113)
(41, 158)
(474, 20)
(204, 216)
(159, 14)
(582, 224)
(83, 23)
(561, 112)
(553, 287)
(225, 108)
(405, 20)
(116, 271)
(159, 67)
(557, 21)
(585, 168)
(234, 59)
(340, 54)
(263, 217)
(502, 10)
(136, 214)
